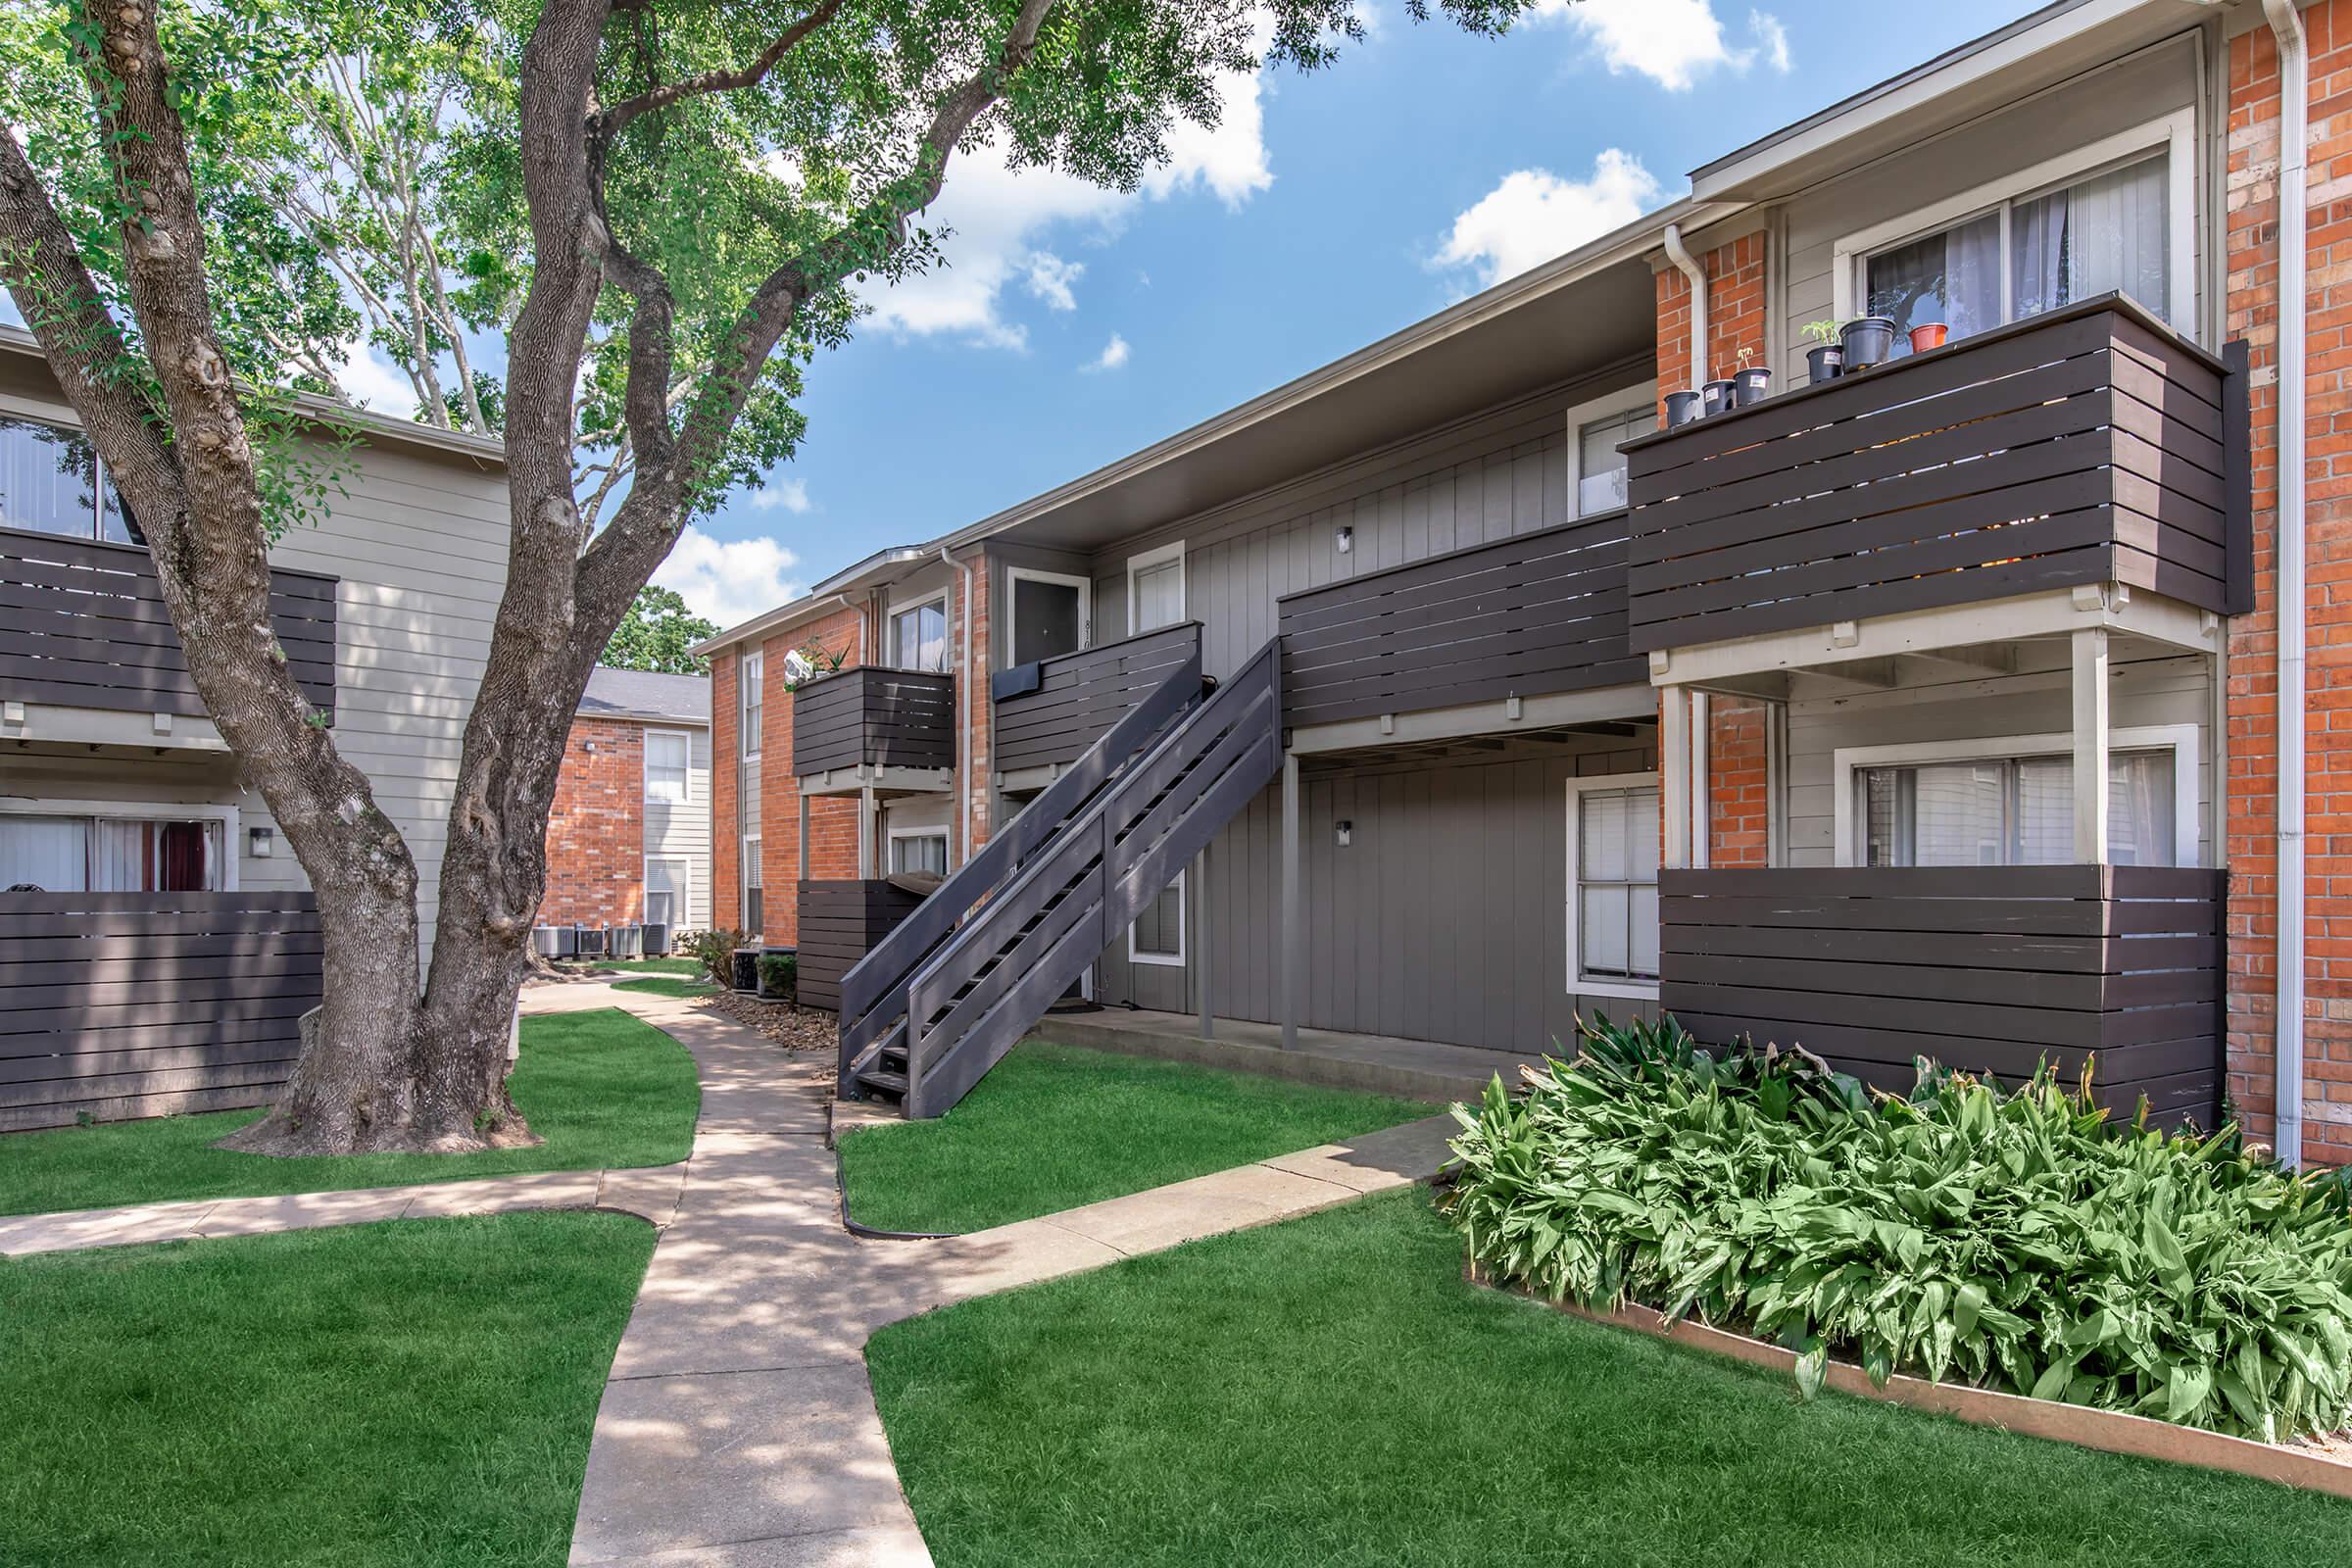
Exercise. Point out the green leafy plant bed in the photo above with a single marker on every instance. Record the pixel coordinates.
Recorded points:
(1052, 1127)
(602, 1089)
(1330, 1393)
(417, 1393)
(2017, 1241)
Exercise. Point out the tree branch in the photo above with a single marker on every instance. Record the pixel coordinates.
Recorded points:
(609, 123)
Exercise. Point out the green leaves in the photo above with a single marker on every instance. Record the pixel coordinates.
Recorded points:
(655, 633)
(2015, 1241)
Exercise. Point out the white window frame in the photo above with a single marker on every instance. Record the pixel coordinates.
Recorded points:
(747, 856)
(233, 843)
(2175, 134)
(645, 782)
(937, 831)
(1184, 932)
(685, 866)
(2182, 740)
(1086, 600)
(946, 617)
(1184, 588)
(1615, 403)
(1578, 984)
(751, 673)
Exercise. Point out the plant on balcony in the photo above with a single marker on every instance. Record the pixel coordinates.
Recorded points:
(816, 662)
(2014, 1240)
(1824, 361)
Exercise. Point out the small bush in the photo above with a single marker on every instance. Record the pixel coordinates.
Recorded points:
(780, 976)
(714, 951)
(2017, 1241)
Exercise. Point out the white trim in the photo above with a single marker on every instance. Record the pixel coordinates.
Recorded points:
(1578, 985)
(2174, 134)
(232, 838)
(943, 598)
(751, 675)
(2182, 740)
(645, 768)
(1086, 602)
(936, 830)
(685, 920)
(1616, 405)
(747, 856)
(1162, 960)
(1157, 557)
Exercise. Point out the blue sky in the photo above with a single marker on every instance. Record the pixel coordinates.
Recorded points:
(1074, 325)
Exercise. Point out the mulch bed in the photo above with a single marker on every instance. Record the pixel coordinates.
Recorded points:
(792, 1028)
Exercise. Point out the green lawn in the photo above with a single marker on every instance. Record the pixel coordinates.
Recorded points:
(684, 967)
(601, 1089)
(666, 986)
(1054, 1126)
(1329, 1392)
(407, 1394)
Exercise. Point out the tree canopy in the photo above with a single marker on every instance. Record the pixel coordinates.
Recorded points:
(655, 634)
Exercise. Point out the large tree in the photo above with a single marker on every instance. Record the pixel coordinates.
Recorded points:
(666, 202)
(656, 634)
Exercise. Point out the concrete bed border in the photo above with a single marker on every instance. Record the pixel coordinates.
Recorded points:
(2084, 1426)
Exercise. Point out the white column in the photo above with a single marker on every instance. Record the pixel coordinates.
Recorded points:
(1674, 770)
(2090, 746)
(866, 827)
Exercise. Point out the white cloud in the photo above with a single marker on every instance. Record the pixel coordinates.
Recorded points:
(1114, 354)
(375, 383)
(790, 494)
(1051, 278)
(1535, 214)
(1230, 160)
(729, 580)
(1673, 42)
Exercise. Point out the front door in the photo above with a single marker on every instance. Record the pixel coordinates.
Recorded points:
(1049, 615)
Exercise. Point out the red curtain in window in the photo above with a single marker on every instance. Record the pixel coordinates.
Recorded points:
(180, 857)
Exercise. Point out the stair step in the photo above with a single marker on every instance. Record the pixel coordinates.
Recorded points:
(883, 1079)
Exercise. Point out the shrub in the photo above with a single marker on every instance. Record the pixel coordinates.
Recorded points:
(714, 951)
(2017, 1241)
(780, 976)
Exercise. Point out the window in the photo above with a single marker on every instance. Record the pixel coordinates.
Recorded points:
(1614, 887)
(1156, 589)
(2015, 811)
(1600, 466)
(752, 889)
(1158, 935)
(921, 851)
(51, 482)
(918, 636)
(748, 739)
(2114, 216)
(666, 751)
(669, 891)
(63, 854)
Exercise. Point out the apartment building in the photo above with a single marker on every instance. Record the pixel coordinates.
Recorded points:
(1440, 694)
(158, 939)
(628, 833)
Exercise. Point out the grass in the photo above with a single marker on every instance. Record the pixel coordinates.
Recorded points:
(601, 1089)
(685, 966)
(1055, 1126)
(664, 986)
(1330, 1392)
(415, 1392)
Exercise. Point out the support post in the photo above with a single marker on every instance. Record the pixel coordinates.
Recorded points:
(1293, 956)
(804, 871)
(2090, 746)
(1674, 768)
(865, 834)
(1198, 941)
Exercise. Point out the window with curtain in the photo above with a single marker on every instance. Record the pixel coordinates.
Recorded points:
(667, 757)
(1614, 881)
(112, 855)
(918, 637)
(1600, 466)
(666, 891)
(2012, 811)
(1158, 935)
(2030, 254)
(1157, 589)
(51, 482)
(752, 889)
(747, 739)
(919, 853)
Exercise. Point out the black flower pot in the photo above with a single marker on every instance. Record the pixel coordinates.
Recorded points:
(1826, 362)
(1752, 385)
(1715, 397)
(1681, 409)
(1868, 340)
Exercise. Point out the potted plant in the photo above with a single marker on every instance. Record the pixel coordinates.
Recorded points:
(1867, 340)
(1928, 335)
(1750, 383)
(1824, 361)
(1715, 397)
(1681, 409)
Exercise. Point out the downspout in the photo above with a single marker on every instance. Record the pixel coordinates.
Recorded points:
(1687, 265)
(971, 695)
(2294, 97)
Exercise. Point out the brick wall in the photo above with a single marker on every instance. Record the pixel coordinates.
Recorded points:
(1734, 316)
(1737, 790)
(832, 819)
(2252, 234)
(727, 873)
(596, 829)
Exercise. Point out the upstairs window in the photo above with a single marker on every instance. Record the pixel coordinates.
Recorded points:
(1155, 590)
(918, 637)
(1600, 466)
(748, 738)
(667, 756)
(52, 482)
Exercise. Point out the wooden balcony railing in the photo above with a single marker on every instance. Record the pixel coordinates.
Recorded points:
(83, 624)
(873, 716)
(1522, 617)
(1049, 712)
(1984, 968)
(2088, 445)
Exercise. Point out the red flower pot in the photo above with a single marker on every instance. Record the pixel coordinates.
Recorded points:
(1928, 335)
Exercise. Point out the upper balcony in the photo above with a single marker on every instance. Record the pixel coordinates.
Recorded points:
(863, 723)
(83, 624)
(1050, 712)
(2090, 445)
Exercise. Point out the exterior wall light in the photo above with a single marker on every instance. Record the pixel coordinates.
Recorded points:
(261, 842)
(1346, 832)
(1346, 540)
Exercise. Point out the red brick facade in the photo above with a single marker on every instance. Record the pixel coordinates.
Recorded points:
(596, 829)
(1738, 783)
(1734, 316)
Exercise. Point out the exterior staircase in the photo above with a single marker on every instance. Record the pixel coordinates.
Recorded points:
(931, 1009)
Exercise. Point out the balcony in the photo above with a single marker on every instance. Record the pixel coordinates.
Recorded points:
(1050, 712)
(1986, 968)
(83, 624)
(867, 720)
(2090, 445)
(1540, 614)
